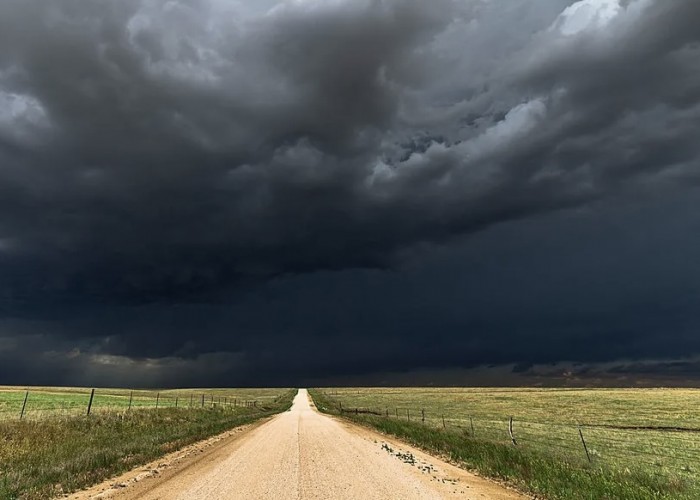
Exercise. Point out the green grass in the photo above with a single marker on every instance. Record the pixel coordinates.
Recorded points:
(633, 453)
(45, 457)
(66, 401)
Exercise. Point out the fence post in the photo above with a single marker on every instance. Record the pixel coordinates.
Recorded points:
(510, 431)
(397, 412)
(131, 397)
(471, 422)
(585, 448)
(202, 400)
(387, 413)
(341, 407)
(408, 414)
(24, 405)
(443, 422)
(157, 399)
(422, 415)
(92, 395)
(191, 399)
(176, 398)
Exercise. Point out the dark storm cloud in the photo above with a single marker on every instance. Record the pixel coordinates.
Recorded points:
(167, 148)
(156, 153)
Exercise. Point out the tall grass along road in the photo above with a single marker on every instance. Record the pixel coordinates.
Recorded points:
(555, 443)
(54, 447)
(303, 454)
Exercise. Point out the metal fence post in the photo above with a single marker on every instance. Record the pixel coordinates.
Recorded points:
(510, 431)
(24, 405)
(585, 448)
(92, 396)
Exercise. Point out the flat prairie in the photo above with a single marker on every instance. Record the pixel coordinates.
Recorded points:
(67, 401)
(653, 433)
(54, 447)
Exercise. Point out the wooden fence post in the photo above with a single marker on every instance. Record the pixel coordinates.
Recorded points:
(510, 431)
(397, 412)
(422, 415)
(408, 414)
(176, 398)
(131, 397)
(471, 422)
(443, 422)
(24, 405)
(202, 400)
(387, 413)
(92, 395)
(585, 448)
(157, 399)
(191, 398)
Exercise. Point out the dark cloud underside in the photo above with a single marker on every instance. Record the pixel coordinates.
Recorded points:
(165, 166)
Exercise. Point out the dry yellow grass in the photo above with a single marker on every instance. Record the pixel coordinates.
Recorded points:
(654, 431)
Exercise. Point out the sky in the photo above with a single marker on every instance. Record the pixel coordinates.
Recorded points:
(288, 192)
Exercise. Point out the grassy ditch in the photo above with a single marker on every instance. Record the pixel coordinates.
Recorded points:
(533, 470)
(50, 457)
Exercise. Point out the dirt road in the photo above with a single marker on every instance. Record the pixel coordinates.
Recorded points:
(302, 454)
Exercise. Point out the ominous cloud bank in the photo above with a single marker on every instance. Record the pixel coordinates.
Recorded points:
(160, 159)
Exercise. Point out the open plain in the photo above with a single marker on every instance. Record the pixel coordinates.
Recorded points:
(302, 454)
(552, 442)
(349, 443)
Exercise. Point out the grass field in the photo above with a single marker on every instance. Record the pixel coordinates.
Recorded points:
(65, 401)
(56, 448)
(647, 437)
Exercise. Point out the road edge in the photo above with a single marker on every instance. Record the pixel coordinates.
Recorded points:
(395, 440)
(166, 465)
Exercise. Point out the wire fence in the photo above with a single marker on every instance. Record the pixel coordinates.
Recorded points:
(38, 404)
(667, 449)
